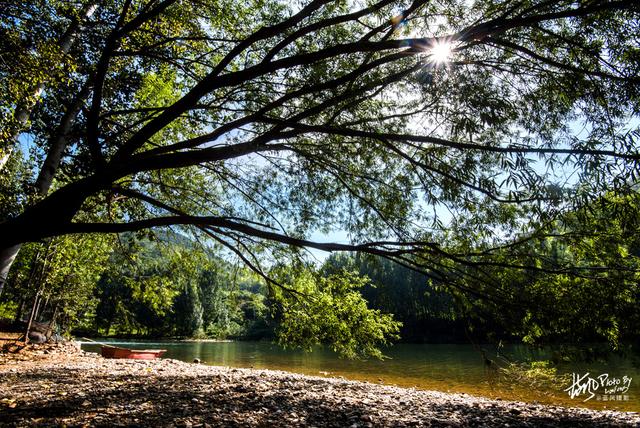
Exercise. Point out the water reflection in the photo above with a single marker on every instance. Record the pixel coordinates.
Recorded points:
(447, 367)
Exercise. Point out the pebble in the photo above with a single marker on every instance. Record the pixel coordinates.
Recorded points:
(72, 385)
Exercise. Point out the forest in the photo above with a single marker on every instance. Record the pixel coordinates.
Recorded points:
(166, 169)
(166, 285)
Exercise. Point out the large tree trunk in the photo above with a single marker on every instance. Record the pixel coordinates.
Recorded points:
(39, 221)
(58, 141)
(7, 256)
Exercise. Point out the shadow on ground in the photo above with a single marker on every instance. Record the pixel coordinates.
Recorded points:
(75, 398)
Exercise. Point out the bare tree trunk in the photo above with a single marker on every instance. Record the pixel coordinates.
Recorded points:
(41, 309)
(29, 281)
(35, 315)
(36, 299)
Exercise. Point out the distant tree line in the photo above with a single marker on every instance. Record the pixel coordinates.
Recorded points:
(169, 287)
(161, 288)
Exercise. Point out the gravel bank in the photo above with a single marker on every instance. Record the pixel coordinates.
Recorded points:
(58, 387)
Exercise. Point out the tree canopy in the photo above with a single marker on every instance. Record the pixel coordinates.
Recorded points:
(441, 135)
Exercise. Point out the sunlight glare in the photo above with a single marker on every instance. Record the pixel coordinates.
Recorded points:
(440, 52)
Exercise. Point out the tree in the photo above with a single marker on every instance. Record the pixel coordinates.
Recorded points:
(137, 291)
(171, 286)
(46, 61)
(430, 132)
(54, 282)
(426, 314)
(595, 295)
(330, 309)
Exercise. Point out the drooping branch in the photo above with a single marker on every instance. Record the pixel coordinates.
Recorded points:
(435, 141)
(559, 65)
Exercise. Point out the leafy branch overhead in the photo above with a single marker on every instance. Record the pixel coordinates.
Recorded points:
(333, 311)
(257, 123)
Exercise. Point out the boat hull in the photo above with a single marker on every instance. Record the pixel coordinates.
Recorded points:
(134, 354)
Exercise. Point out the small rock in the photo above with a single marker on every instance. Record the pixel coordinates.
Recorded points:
(36, 337)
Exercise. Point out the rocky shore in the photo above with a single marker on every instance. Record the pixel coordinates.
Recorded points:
(58, 385)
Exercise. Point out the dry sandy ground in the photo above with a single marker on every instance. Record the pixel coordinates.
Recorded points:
(61, 386)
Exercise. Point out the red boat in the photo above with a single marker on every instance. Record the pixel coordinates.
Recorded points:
(135, 354)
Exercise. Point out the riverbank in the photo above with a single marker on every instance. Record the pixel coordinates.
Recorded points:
(60, 385)
(98, 339)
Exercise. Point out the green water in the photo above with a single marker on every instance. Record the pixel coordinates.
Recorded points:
(453, 368)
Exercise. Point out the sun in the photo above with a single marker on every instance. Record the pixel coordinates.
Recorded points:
(440, 52)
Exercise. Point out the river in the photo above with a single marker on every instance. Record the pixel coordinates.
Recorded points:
(443, 367)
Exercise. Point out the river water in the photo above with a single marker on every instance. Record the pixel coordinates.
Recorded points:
(443, 367)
